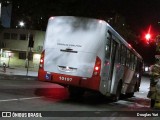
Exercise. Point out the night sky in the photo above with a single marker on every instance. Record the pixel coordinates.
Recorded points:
(141, 13)
(138, 14)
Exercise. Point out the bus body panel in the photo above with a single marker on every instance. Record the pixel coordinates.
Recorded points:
(65, 80)
(121, 72)
(77, 64)
(72, 46)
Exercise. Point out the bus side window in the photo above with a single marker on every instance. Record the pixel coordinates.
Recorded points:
(119, 54)
(108, 46)
(128, 59)
(135, 63)
(132, 61)
(123, 55)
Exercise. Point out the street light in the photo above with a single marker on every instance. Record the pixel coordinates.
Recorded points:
(21, 24)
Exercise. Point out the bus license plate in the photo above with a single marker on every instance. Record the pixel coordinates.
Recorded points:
(68, 79)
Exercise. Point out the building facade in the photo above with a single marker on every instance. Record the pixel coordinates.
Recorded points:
(20, 45)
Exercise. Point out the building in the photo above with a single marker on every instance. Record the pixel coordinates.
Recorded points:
(5, 13)
(14, 47)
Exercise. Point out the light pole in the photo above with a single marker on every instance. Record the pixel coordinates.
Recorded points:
(22, 24)
(9, 56)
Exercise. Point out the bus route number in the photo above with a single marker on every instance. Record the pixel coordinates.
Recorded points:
(65, 79)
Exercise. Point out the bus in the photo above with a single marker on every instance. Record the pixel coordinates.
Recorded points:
(87, 54)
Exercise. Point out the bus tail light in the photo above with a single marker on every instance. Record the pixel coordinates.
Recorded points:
(41, 60)
(97, 67)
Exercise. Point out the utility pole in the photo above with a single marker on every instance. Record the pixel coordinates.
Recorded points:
(28, 52)
(30, 45)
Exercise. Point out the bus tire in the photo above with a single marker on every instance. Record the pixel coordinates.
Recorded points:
(136, 87)
(75, 92)
(116, 97)
(129, 95)
(152, 103)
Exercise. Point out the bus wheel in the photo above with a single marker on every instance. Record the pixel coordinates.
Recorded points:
(75, 92)
(152, 103)
(129, 95)
(116, 97)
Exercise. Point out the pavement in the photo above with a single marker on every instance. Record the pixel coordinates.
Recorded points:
(18, 72)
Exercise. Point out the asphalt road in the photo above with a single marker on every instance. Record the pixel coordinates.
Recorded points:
(51, 99)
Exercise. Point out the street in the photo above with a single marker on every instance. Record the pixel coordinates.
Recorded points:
(32, 95)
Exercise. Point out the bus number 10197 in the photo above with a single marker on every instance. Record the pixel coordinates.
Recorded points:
(65, 78)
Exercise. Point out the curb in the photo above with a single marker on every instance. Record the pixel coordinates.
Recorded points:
(17, 77)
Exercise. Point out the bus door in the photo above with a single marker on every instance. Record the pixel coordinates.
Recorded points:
(110, 56)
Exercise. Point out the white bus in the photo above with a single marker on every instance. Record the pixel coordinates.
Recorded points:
(88, 54)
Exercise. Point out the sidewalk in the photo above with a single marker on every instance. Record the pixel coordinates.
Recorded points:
(16, 73)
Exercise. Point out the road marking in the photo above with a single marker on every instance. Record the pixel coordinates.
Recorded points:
(18, 99)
